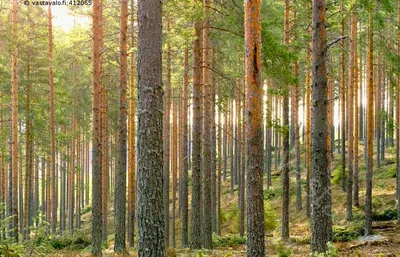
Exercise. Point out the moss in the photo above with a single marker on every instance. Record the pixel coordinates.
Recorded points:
(347, 234)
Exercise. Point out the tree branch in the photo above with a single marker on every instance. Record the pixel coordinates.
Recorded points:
(336, 41)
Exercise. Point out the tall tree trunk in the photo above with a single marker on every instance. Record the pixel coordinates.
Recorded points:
(174, 168)
(321, 219)
(195, 214)
(356, 115)
(97, 184)
(166, 140)
(185, 153)
(207, 158)
(28, 158)
(350, 108)
(219, 171)
(131, 148)
(78, 179)
(297, 136)
(286, 150)
(13, 192)
(243, 163)
(269, 135)
(150, 145)
(343, 106)
(254, 130)
(308, 132)
(53, 203)
(120, 184)
(370, 123)
(107, 178)
(398, 128)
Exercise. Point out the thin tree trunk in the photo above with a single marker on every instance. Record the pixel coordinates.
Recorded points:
(106, 167)
(308, 132)
(13, 192)
(166, 141)
(356, 117)
(28, 159)
(286, 149)
(343, 107)
(131, 148)
(398, 128)
(185, 152)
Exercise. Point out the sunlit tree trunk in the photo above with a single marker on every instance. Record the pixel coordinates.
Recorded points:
(131, 148)
(370, 123)
(254, 130)
(97, 183)
(53, 202)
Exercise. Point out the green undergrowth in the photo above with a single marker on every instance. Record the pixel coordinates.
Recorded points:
(348, 233)
(76, 241)
(229, 240)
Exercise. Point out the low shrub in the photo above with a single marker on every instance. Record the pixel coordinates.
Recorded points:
(76, 241)
(229, 240)
(349, 233)
(270, 217)
(337, 175)
(283, 251)
(386, 215)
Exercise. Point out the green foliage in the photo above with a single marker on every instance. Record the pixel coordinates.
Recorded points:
(283, 251)
(331, 252)
(76, 241)
(227, 240)
(270, 217)
(337, 175)
(386, 215)
(348, 233)
(272, 193)
(8, 246)
(87, 209)
(385, 172)
(231, 216)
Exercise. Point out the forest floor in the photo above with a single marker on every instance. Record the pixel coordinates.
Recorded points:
(384, 242)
